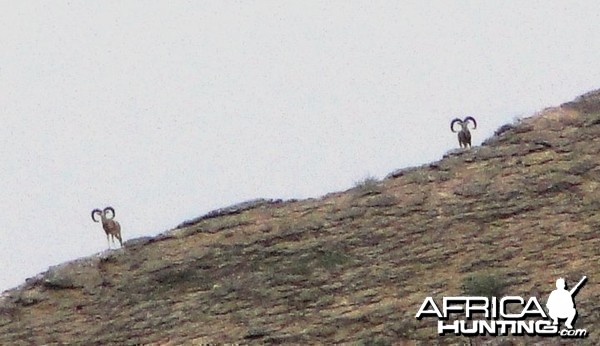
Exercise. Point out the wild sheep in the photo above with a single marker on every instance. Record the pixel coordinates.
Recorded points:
(464, 135)
(111, 227)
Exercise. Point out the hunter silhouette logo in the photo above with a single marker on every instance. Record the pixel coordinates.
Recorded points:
(561, 302)
(506, 315)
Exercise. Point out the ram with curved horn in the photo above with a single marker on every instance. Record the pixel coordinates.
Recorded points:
(111, 227)
(464, 135)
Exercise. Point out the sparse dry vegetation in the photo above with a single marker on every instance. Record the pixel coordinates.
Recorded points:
(368, 186)
(484, 285)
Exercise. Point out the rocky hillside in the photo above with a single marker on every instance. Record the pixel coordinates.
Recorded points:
(508, 217)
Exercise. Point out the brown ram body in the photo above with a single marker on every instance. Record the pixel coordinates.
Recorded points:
(111, 227)
(464, 135)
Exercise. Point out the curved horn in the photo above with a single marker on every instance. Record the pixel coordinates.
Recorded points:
(473, 120)
(111, 210)
(454, 121)
(94, 212)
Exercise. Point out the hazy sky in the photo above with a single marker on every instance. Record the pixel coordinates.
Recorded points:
(169, 109)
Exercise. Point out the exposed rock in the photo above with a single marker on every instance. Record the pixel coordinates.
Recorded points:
(30, 297)
(233, 209)
(141, 241)
(77, 274)
(588, 103)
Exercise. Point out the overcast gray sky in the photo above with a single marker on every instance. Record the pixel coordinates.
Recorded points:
(169, 109)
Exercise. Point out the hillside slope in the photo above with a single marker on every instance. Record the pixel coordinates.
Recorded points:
(351, 267)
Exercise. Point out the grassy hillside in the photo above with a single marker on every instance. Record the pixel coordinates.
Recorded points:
(508, 217)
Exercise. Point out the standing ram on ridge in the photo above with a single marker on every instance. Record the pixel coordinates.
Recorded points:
(111, 227)
(464, 135)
